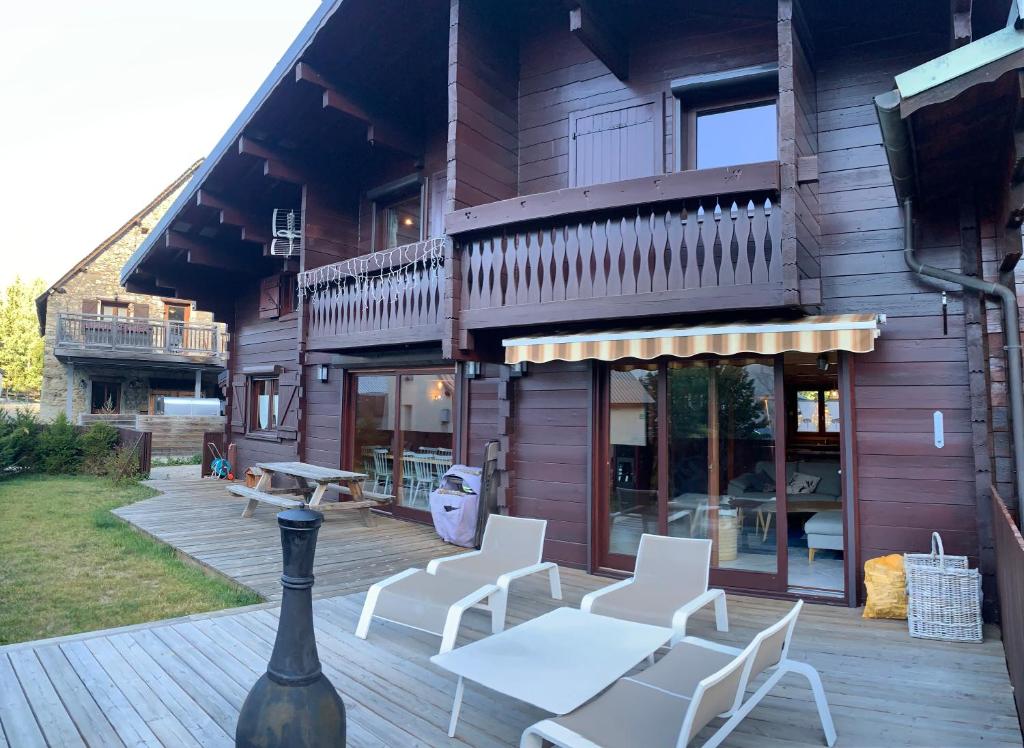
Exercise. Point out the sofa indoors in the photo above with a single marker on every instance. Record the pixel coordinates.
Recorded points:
(760, 484)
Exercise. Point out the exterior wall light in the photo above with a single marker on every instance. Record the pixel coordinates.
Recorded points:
(324, 373)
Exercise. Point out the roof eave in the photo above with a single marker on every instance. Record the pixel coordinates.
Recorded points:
(283, 67)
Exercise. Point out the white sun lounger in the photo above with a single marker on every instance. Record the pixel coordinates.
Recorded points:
(669, 585)
(669, 703)
(434, 600)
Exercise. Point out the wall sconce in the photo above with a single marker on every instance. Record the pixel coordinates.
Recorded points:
(446, 415)
(472, 369)
(323, 374)
(517, 370)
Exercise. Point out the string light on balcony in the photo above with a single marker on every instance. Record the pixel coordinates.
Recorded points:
(375, 276)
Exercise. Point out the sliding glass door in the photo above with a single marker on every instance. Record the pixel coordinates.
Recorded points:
(401, 433)
(691, 450)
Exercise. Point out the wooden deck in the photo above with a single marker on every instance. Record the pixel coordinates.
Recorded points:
(202, 520)
(182, 682)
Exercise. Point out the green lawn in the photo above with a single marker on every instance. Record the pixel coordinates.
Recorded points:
(68, 565)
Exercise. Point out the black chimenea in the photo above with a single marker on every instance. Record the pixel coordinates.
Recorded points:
(294, 704)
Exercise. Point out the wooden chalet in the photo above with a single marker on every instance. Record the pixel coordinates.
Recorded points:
(656, 249)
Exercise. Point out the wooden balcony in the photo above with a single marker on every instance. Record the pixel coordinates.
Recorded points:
(683, 242)
(83, 337)
(390, 297)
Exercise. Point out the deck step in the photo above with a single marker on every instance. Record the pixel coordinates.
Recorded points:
(266, 498)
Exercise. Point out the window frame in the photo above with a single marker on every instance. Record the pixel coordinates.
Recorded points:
(793, 416)
(105, 304)
(168, 305)
(386, 196)
(253, 404)
(727, 89)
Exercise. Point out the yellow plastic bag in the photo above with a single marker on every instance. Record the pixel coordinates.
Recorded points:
(886, 581)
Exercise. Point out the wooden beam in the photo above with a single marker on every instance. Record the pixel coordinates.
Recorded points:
(377, 132)
(198, 252)
(961, 35)
(232, 216)
(275, 165)
(597, 32)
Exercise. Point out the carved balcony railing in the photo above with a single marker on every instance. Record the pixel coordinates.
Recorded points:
(392, 296)
(108, 336)
(618, 251)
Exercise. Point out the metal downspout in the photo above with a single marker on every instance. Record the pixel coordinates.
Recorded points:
(1011, 333)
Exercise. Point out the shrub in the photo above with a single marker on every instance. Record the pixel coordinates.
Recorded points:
(60, 447)
(122, 465)
(98, 444)
(19, 442)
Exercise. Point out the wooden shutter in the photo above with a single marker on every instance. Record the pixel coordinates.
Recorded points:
(140, 310)
(612, 144)
(270, 297)
(239, 403)
(288, 405)
(90, 306)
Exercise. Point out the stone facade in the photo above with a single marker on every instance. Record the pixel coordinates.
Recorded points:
(96, 280)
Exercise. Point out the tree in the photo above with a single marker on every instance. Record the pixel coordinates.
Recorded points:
(21, 346)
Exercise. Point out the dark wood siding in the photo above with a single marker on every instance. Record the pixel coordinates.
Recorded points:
(322, 420)
(907, 487)
(330, 226)
(482, 415)
(482, 138)
(262, 342)
(552, 456)
(560, 76)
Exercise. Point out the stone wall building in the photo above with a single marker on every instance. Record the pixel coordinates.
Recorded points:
(122, 351)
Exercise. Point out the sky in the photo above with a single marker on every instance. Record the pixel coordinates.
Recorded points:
(104, 103)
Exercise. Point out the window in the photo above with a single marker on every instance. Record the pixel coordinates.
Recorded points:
(817, 411)
(105, 397)
(397, 212)
(727, 118)
(289, 296)
(743, 134)
(398, 221)
(263, 408)
(114, 308)
(177, 312)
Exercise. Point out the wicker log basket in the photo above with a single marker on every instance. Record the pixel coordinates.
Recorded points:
(944, 596)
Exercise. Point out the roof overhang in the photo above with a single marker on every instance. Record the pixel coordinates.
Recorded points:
(282, 71)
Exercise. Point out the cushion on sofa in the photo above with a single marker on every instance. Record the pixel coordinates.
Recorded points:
(831, 481)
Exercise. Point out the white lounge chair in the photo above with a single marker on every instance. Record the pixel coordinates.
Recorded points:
(669, 585)
(669, 703)
(434, 600)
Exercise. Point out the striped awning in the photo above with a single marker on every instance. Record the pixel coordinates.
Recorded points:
(844, 332)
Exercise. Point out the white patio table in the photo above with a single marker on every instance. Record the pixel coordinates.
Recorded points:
(557, 662)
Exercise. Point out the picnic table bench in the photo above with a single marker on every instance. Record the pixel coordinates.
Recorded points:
(314, 481)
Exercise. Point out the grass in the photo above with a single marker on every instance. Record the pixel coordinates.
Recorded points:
(68, 565)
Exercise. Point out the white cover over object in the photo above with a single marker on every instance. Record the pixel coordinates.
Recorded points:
(454, 512)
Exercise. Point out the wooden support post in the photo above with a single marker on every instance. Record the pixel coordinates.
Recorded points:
(506, 441)
(978, 381)
(199, 383)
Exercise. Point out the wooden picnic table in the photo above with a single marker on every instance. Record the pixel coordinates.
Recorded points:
(314, 481)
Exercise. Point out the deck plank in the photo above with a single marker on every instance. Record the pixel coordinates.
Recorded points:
(92, 723)
(16, 717)
(54, 721)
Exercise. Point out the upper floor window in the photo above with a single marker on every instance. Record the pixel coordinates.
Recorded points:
(727, 118)
(397, 213)
(741, 134)
(177, 312)
(114, 308)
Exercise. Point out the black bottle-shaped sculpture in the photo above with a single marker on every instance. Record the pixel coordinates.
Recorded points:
(294, 704)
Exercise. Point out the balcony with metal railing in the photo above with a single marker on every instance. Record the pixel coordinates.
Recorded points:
(138, 339)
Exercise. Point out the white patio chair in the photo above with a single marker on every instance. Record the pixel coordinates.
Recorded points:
(434, 600)
(382, 469)
(669, 703)
(669, 585)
